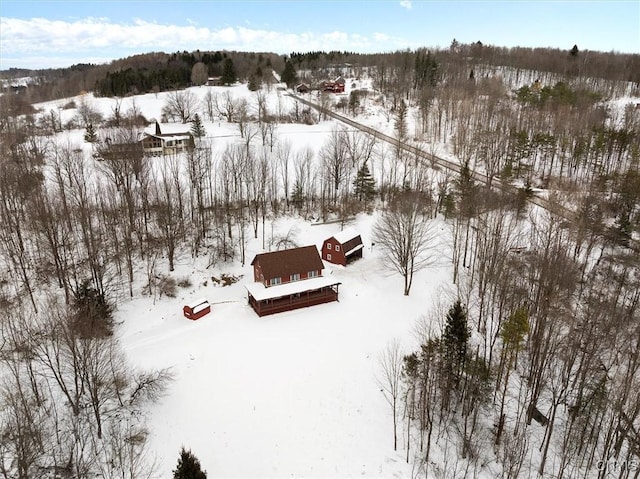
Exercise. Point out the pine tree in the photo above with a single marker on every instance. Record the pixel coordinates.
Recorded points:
(454, 339)
(354, 101)
(228, 72)
(197, 129)
(297, 195)
(364, 186)
(289, 75)
(514, 329)
(401, 120)
(188, 467)
(90, 134)
(254, 83)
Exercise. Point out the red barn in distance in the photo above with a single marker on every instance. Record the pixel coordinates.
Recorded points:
(333, 87)
(343, 247)
(289, 279)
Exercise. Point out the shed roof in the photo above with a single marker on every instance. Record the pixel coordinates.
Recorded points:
(196, 302)
(346, 235)
(281, 264)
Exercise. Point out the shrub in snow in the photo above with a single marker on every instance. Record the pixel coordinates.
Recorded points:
(92, 314)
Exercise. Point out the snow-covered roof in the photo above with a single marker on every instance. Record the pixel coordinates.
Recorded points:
(200, 307)
(169, 137)
(259, 292)
(169, 129)
(197, 302)
(354, 249)
(346, 235)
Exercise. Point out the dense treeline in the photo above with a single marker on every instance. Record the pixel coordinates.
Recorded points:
(162, 71)
(144, 73)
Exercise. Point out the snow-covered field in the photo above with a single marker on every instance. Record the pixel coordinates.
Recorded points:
(294, 394)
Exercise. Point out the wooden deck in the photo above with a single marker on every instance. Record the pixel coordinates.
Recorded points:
(294, 301)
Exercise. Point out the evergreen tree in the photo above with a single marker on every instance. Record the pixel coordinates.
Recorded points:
(90, 134)
(354, 101)
(297, 195)
(574, 51)
(289, 75)
(254, 83)
(197, 129)
(401, 120)
(454, 339)
(188, 467)
(228, 72)
(514, 329)
(364, 188)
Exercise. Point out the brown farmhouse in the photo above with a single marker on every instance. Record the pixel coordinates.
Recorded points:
(289, 279)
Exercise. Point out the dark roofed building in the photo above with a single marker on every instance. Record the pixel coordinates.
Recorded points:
(279, 267)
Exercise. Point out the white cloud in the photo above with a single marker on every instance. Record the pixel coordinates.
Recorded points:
(406, 4)
(28, 43)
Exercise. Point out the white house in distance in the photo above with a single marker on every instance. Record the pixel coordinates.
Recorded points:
(167, 138)
(343, 247)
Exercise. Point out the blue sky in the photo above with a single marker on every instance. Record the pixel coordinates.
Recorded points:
(56, 33)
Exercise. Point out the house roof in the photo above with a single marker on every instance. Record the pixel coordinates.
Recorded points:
(281, 264)
(259, 292)
(168, 129)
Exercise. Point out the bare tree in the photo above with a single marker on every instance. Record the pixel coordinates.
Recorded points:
(181, 105)
(284, 161)
(404, 233)
(335, 162)
(227, 107)
(209, 103)
(169, 211)
(390, 381)
(199, 74)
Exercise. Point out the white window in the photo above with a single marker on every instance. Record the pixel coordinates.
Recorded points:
(329, 257)
(337, 247)
(312, 274)
(275, 281)
(294, 277)
(328, 245)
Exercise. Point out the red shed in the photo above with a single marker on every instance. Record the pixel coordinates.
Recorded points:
(196, 309)
(343, 247)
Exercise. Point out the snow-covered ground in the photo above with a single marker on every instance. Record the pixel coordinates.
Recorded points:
(294, 394)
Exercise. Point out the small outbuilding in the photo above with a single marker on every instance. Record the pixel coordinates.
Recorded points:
(303, 88)
(196, 309)
(343, 247)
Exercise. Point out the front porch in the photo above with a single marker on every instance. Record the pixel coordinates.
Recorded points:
(276, 303)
